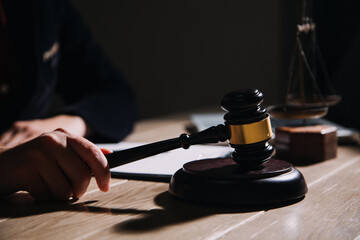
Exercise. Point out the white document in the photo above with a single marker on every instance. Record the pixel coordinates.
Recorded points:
(163, 165)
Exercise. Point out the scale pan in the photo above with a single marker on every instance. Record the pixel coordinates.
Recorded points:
(291, 112)
(332, 100)
(310, 102)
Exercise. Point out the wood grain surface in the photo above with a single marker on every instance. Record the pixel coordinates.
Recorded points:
(145, 210)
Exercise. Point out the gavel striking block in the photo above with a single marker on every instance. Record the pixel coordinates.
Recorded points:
(250, 176)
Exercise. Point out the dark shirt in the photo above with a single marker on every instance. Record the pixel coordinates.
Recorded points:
(54, 54)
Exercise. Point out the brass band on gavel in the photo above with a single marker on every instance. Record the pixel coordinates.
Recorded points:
(250, 133)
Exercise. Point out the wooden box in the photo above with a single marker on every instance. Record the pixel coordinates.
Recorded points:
(306, 144)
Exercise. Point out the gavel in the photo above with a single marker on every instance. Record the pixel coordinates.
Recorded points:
(247, 128)
(250, 176)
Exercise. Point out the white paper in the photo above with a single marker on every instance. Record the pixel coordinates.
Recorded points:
(166, 163)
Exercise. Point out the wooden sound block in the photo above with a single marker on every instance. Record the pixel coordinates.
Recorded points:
(306, 144)
(221, 181)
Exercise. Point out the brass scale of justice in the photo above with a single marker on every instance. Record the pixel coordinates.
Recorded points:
(251, 176)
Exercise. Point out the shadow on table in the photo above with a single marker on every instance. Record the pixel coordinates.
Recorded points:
(176, 211)
(171, 210)
(22, 204)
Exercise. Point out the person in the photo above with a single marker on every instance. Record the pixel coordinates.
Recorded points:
(55, 165)
(46, 51)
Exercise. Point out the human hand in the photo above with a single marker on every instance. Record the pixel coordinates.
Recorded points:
(22, 131)
(55, 165)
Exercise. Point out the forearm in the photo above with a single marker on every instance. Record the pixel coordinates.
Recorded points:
(23, 131)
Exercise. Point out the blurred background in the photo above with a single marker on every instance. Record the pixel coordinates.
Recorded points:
(185, 55)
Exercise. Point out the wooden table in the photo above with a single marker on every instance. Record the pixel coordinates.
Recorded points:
(145, 210)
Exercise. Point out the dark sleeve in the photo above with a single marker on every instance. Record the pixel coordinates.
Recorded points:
(90, 86)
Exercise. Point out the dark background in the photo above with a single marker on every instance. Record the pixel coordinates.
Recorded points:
(185, 55)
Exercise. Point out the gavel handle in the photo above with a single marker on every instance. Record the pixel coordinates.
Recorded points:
(210, 135)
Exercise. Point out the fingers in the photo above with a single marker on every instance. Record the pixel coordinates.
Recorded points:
(57, 182)
(18, 138)
(4, 138)
(20, 132)
(7, 136)
(37, 169)
(76, 171)
(77, 158)
(37, 187)
(94, 158)
(63, 163)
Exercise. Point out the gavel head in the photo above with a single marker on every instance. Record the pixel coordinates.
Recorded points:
(248, 126)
